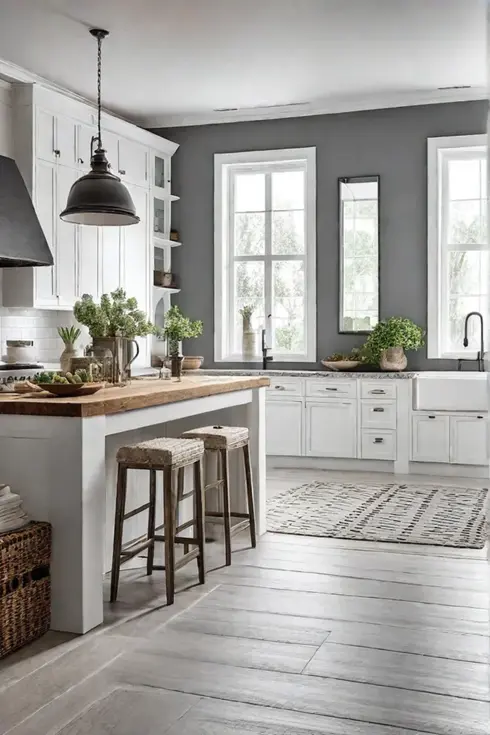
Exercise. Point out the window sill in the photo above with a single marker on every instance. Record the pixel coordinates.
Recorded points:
(282, 359)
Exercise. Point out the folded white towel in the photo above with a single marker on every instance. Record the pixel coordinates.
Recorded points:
(12, 515)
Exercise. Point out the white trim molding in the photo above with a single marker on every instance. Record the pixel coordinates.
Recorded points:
(226, 166)
(439, 151)
(330, 106)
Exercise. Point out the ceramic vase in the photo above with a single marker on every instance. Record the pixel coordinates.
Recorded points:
(248, 345)
(66, 357)
(393, 359)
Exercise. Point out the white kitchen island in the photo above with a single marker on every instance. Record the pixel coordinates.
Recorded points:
(59, 455)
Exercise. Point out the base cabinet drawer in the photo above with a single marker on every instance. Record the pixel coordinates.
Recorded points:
(331, 428)
(331, 388)
(284, 428)
(430, 438)
(283, 387)
(378, 389)
(378, 414)
(377, 444)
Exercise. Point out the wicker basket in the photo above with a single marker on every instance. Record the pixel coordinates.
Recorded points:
(25, 586)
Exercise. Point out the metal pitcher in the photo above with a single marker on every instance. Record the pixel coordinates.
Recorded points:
(116, 354)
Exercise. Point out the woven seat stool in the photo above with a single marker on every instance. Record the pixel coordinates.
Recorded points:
(222, 440)
(171, 456)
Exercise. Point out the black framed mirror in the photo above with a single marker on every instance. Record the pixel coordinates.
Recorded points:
(358, 254)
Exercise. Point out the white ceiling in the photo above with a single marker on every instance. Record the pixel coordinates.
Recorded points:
(174, 62)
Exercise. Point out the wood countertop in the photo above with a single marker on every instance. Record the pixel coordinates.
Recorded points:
(142, 393)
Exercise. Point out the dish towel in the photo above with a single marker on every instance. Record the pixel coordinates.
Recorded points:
(12, 514)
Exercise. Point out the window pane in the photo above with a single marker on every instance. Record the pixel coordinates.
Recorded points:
(465, 224)
(249, 192)
(360, 284)
(464, 179)
(288, 292)
(288, 190)
(249, 291)
(249, 234)
(468, 289)
(288, 233)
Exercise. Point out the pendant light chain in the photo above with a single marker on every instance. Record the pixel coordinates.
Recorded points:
(99, 87)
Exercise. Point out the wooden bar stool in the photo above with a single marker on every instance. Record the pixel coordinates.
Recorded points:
(171, 456)
(222, 440)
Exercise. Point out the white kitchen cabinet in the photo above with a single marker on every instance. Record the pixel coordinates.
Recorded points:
(65, 245)
(55, 138)
(468, 443)
(138, 263)
(112, 267)
(430, 438)
(45, 289)
(284, 424)
(133, 162)
(331, 428)
(89, 261)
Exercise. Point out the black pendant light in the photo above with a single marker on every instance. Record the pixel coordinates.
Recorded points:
(99, 197)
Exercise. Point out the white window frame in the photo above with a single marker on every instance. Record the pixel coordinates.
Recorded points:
(436, 262)
(224, 164)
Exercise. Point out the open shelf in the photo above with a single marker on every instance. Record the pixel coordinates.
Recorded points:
(162, 242)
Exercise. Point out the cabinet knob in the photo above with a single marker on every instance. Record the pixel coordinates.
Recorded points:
(122, 171)
(80, 160)
(57, 152)
(378, 440)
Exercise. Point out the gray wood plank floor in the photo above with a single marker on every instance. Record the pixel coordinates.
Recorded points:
(298, 637)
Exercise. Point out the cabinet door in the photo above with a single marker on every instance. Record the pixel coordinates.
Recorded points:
(133, 162)
(45, 135)
(66, 130)
(45, 200)
(430, 438)
(88, 257)
(331, 429)
(136, 272)
(284, 422)
(469, 440)
(66, 240)
(110, 239)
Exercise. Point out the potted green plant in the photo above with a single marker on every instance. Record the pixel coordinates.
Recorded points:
(69, 335)
(248, 334)
(177, 328)
(388, 341)
(113, 325)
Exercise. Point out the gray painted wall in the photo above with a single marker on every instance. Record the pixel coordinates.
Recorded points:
(391, 143)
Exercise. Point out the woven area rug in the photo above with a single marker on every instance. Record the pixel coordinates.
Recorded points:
(436, 515)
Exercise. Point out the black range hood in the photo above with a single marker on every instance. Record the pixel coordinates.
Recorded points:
(22, 241)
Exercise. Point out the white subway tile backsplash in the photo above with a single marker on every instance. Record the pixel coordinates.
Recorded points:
(38, 325)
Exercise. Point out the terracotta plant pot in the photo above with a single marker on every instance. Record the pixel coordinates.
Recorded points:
(393, 359)
(192, 363)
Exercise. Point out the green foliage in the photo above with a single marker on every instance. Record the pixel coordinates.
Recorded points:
(179, 327)
(115, 316)
(69, 335)
(394, 332)
(78, 377)
(247, 311)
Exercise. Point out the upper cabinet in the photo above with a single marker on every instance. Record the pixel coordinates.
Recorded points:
(52, 142)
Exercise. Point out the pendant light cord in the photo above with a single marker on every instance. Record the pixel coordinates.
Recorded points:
(99, 87)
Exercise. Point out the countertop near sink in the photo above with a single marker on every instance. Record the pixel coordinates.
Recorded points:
(308, 374)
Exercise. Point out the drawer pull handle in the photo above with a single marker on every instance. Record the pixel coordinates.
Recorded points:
(378, 440)
(432, 417)
(333, 389)
(377, 392)
(378, 409)
(279, 387)
(479, 417)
